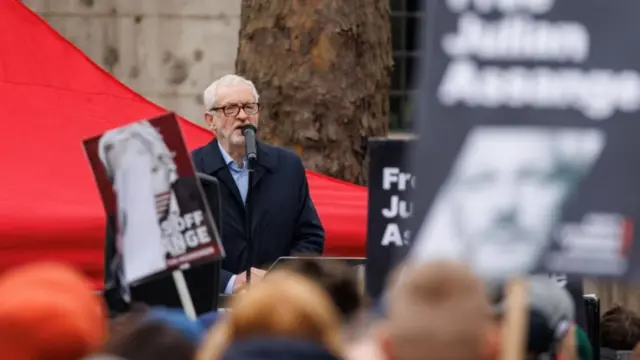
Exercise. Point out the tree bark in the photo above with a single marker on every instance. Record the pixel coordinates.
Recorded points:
(322, 68)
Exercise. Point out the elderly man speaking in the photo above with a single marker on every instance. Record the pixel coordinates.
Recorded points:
(284, 219)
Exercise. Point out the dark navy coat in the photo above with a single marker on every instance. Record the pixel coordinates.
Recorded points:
(284, 220)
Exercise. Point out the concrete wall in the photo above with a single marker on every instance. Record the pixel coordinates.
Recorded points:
(167, 50)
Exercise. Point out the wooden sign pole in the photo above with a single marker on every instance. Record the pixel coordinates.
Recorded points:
(185, 296)
(515, 322)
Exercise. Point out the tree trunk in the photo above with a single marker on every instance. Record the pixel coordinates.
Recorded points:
(322, 68)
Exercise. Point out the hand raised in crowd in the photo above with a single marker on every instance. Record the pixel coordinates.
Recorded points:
(240, 281)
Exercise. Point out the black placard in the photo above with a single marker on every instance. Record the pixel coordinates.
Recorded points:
(149, 186)
(527, 114)
(389, 209)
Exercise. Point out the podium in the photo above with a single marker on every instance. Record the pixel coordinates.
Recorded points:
(351, 261)
(356, 263)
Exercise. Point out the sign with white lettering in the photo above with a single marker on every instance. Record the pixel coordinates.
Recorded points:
(389, 209)
(527, 131)
(147, 182)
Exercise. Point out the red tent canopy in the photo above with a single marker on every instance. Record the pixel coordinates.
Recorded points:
(51, 98)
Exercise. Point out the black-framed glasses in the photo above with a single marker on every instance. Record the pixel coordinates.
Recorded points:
(234, 109)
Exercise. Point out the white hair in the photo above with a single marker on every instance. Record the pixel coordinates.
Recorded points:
(210, 93)
(150, 138)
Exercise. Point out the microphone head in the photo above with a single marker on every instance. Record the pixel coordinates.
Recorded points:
(248, 127)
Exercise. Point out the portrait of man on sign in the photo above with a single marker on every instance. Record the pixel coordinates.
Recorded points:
(162, 221)
(499, 206)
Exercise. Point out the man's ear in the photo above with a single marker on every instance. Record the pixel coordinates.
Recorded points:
(383, 338)
(209, 120)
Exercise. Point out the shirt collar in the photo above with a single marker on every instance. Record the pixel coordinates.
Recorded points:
(228, 160)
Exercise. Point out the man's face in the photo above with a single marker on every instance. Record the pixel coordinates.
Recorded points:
(160, 180)
(508, 194)
(132, 149)
(235, 106)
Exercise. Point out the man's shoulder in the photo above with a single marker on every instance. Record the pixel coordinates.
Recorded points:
(197, 152)
(200, 154)
(283, 155)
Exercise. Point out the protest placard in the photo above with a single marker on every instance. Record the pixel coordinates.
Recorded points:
(526, 120)
(147, 182)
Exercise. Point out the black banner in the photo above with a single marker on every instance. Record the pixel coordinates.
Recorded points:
(528, 123)
(388, 234)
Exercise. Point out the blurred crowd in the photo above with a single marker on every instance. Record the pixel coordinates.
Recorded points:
(311, 310)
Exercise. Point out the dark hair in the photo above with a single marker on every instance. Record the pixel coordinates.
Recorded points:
(619, 329)
(337, 278)
(136, 338)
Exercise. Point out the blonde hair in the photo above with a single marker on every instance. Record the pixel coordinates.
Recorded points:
(283, 304)
(438, 309)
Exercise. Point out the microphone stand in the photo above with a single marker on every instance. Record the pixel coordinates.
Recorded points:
(249, 132)
(247, 221)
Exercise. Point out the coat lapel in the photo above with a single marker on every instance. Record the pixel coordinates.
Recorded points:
(225, 177)
(267, 161)
(256, 176)
(214, 165)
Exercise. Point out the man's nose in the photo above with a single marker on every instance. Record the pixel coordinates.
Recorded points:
(506, 203)
(242, 114)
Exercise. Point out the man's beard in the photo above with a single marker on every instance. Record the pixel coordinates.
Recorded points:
(236, 137)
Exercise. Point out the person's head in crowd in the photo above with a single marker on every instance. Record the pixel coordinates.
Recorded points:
(619, 329)
(177, 319)
(230, 102)
(153, 334)
(551, 313)
(48, 311)
(338, 279)
(438, 310)
(362, 336)
(285, 316)
(135, 313)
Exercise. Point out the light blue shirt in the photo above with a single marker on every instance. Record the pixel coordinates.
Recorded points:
(241, 178)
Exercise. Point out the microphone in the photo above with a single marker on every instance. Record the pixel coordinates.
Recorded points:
(249, 132)
(251, 151)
